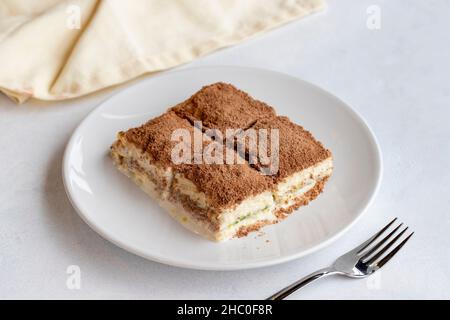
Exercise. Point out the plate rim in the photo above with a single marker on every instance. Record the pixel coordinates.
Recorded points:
(236, 266)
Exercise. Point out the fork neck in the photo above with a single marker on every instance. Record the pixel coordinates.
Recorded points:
(303, 282)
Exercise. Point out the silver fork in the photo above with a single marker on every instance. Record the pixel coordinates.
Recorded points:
(360, 262)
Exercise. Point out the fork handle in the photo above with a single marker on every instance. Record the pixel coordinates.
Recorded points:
(280, 295)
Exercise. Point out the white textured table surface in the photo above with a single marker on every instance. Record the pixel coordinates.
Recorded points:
(397, 77)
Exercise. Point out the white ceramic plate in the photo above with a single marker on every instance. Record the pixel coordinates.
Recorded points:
(119, 211)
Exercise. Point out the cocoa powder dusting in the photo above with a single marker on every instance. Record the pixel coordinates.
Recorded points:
(222, 106)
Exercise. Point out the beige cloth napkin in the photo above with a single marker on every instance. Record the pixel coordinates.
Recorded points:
(59, 49)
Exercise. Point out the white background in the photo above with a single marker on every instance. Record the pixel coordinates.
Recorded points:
(397, 77)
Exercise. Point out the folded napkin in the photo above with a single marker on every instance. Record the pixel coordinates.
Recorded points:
(58, 49)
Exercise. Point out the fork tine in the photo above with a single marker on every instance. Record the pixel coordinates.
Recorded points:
(385, 248)
(380, 243)
(373, 238)
(393, 252)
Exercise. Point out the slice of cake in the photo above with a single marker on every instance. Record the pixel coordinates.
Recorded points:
(303, 167)
(224, 200)
(144, 153)
(177, 160)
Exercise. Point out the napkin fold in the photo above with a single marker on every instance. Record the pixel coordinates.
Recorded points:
(59, 49)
